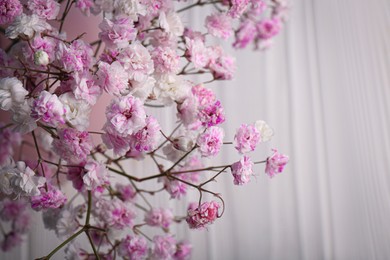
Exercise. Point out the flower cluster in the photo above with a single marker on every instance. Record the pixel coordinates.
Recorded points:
(143, 59)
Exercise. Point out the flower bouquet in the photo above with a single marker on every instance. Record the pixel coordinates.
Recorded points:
(143, 60)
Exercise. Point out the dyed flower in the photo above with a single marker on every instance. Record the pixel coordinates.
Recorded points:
(159, 217)
(9, 9)
(137, 62)
(12, 93)
(242, 170)
(26, 26)
(237, 7)
(222, 67)
(96, 175)
(212, 114)
(72, 145)
(164, 247)
(268, 28)
(175, 188)
(165, 59)
(210, 141)
(170, 22)
(219, 25)
(118, 32)
(9, 209)
(183, 251)
(146, 139)
(49, 109)
(52, 198)
(126, 192)
(115, 213)
(126, 115)
(76, 57)
(10, 241)
(134, 247)
(46, 9)
(67, 222)
(199, 217)
(275, 163)
(246, 139)
(113, 78)
(246, 34)
(197, 53)
(85, 88)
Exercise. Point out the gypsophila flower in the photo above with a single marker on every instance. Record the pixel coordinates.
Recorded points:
(113, 78)
(8, 139)
(210, 141)
(164, 247)
(118, 32)
(115, 213)
(134, 247)
(242, 170)
(275, 163)
(266, 132)
(159, 217)
(246, 139)
(183, 251)
(11, 240)
(49, 109)
(96, 175)
(9, 9)
(46, 9)
(72, 145)
(146, 139)
(219, 25)
(199, 217)
(52, 198)
(12, 93)
(26, 26)
(126, 115)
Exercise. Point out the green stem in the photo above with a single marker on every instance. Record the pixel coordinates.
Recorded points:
(92, 245)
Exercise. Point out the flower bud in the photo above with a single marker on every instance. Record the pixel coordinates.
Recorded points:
(41, 58)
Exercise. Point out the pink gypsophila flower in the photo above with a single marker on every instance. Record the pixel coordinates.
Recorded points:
(126, 115)
(197, 53)
(146, 139)
(9, 9)
(219, 25)
(115, 213)
(10, 241)
(118, 32)
(73, 146)
(96, 175)
(199, 217)
(246, 139)
(210, 141)
(78, 56)
(164, 247)
(275, 163)
(212, 114)
(159, 217)
(52, 198)
(137, 61)
(49, 109)
(237, 8)
(246, 34)
(11, 208)
(47, 9)
(183, 251)
(242, 170)
(126, 192)
(223, 67)
(134, 247)
(165, 59)
(269, 28)
(113, 78)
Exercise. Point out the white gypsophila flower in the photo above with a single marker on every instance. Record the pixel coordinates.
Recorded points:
(20, 180)
(67, 222)
(12, 93)
(170, 88)
(131, 8)
(77, 111)
(142, 90)
(171, 23)
(266, 132)
(26, 26)
(171, 153)
(41, 58)
(23, 122)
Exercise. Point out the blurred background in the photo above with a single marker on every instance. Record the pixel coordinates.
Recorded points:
(324, 87)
